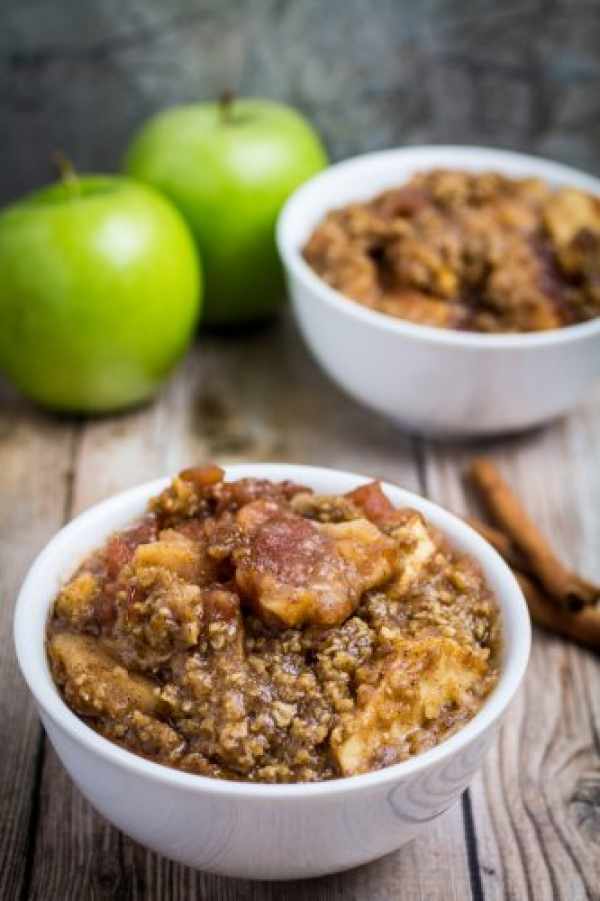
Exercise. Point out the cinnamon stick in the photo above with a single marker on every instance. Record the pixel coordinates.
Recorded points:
(563, 586)
(500, 542)
(582, 627)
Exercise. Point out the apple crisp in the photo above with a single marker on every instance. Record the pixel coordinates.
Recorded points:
(256, 631)
(472, 251)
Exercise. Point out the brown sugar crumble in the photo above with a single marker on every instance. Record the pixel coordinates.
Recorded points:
(253, 630)
(459, 250)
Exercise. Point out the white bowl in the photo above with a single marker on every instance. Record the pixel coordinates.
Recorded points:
(428, 379)
(261, 831)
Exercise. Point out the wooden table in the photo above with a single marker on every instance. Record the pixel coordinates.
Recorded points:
(529, 826)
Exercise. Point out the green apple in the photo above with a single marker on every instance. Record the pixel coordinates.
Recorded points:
(229, 168)
(99, 293)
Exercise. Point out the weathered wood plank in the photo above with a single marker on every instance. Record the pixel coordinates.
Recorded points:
(259, 398)
(35, 454)
(537, 805)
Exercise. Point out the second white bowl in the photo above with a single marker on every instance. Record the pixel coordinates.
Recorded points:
(427, 379)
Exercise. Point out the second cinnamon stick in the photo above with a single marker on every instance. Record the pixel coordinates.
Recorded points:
(582, 627)
(560, 583)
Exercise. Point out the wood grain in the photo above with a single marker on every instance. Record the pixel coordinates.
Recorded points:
(35, 465)
(537, 804)
(213, 409)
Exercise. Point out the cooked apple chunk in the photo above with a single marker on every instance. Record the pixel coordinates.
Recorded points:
(179, 554)
(416, 548)
(416, 683)
(291, 572)
(92, 680)
(296, 571)
(325, 507)
(570, 211)
(413, 539)
(371, 553)
(75, 603)
(374, 503)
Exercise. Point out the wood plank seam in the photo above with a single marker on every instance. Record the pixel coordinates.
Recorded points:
(34, 814)
(472, 847)
(40, 753)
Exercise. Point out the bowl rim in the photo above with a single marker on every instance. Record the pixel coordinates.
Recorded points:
(450, 156)
(127, 505)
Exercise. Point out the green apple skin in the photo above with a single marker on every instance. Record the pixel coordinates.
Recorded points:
(100, 290)
(229, 171)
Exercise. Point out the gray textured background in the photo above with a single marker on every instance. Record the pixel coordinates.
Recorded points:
(81, 74)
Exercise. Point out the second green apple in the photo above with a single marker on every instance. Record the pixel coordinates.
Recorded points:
(229, 167)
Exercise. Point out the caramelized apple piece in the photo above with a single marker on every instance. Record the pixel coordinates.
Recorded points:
(325, 507)
(421, 678)
(120, 547)
(416, 547)
(178, 554)
(76, 601)
(93, 682)
(568, 212)
(203, 476)
(290, 570)
(373, 502)
(378, 508)
(412, 537)
(371, 553)
(296, 571)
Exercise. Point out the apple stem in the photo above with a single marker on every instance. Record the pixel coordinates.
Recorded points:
(67, 173)
(225, 105)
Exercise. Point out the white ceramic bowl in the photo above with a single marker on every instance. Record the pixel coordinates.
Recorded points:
(260, 831)
(428, 379)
